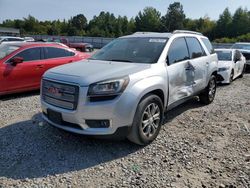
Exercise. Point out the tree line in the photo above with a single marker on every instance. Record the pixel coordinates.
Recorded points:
(228, 28)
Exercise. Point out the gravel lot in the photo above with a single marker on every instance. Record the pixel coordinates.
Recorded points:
(199, 146)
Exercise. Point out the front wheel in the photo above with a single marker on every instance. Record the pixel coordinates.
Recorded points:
(208, 95)
(243, 71)
(147, 121)
(231, 79)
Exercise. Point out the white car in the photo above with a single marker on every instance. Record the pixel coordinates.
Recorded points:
(10, 39)
(29, 39)
(231, 65)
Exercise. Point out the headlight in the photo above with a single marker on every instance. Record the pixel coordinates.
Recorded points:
(223, 69)
(108, 87)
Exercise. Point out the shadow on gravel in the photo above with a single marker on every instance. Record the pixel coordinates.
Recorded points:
(19, 95)
(173, 113)
(32, 150)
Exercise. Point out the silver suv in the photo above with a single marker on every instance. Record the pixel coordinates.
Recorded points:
(125, 87)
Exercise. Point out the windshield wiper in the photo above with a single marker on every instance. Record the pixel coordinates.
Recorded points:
(119, 60)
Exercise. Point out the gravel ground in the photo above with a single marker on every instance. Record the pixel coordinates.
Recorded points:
(199, 146)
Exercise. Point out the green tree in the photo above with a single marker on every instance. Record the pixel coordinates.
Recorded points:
(148, 20)
(174, 19)
(206, 26)
(54, 29)
(72, 30)
(64, 27)
(103, 25)
(131, 26)
(240, 22)
(224, 24)
(226, 28)
(31, 24)
(79, 21)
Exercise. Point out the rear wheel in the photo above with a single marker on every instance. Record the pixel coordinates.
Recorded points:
(208, 95)
(147, 121)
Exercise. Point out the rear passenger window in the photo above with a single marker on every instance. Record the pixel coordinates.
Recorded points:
(194, 46)
(52, 52)
(178, 51)
(208, 45)
(31, 54)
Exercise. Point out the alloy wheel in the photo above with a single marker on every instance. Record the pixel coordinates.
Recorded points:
(231, 77)
(212, 89)
(150, 120)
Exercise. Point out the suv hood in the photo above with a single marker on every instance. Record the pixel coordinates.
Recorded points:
(225, 64)
(91, 71)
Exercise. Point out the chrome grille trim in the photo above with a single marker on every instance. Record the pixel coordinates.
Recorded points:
(60, 94)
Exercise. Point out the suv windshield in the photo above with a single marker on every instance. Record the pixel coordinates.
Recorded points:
(224, 55)
(6, 49)
(241, 46)
(134, 49)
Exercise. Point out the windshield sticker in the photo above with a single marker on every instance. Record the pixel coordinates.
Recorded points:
(158, 40)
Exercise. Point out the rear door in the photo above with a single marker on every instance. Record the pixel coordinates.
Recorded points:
(55, 56)
(180, 71)
(24, 75)
(199, 61)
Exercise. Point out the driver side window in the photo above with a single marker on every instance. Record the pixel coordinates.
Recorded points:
(31, 54)
(178, 51)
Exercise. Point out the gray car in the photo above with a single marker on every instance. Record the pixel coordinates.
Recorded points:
(124, 88)
(244, 48)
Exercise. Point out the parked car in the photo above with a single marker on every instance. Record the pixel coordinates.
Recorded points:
(244, 48)
(82, 47)
(10, 39)
(126, 86)
(29, 39)
(22, 64)
(231, 65)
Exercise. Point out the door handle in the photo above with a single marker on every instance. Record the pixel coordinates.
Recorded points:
(70, 61)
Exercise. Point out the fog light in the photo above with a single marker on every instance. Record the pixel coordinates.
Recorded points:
(98, 123)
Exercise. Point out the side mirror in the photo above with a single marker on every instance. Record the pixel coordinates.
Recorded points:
(237, 58)
(16, 60)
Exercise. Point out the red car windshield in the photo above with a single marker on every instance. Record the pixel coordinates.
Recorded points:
(6, 49)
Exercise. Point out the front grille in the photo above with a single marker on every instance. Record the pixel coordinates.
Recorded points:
(60, 95)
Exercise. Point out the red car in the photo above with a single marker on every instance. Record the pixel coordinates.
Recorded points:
(23, 64)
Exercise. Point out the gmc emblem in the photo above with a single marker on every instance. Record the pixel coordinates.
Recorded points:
(55, 91)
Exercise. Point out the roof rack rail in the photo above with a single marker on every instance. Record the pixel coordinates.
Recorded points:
(143, 32)
(187, 31)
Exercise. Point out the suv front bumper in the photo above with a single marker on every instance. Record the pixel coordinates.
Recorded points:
(119, 112)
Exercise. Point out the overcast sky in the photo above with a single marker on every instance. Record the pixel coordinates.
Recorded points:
(60, 9)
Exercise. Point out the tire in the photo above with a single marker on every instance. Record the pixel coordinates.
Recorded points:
(208, 95)
(243, 71)
(231, 79)
(146, 127)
